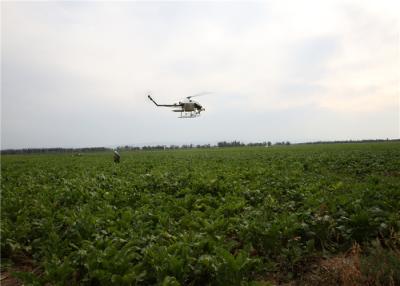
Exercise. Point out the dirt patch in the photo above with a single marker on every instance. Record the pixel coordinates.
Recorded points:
(342, 270)
(7, 279)
(20, 264)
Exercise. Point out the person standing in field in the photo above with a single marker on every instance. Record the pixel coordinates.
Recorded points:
(117, 157)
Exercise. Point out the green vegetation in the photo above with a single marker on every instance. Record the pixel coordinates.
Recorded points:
(232, 216)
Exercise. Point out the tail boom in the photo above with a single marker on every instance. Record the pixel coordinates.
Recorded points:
(164, 105)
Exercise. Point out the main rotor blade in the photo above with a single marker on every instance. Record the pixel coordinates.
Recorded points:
(198, 94)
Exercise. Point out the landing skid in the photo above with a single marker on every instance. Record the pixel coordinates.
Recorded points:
(189, 115)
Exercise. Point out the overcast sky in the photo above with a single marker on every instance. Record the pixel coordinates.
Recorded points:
(76, 74)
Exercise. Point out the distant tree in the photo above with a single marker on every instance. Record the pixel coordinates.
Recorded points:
(230, 144)
(251, 144)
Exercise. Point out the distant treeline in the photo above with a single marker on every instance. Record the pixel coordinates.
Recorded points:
(351, 141)
(53, 150)
(221, 144)
(241, 144)
(190, 146)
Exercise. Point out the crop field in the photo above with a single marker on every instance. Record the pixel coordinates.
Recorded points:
(303, 214)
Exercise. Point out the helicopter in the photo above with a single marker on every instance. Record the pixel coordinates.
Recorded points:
(187, 107)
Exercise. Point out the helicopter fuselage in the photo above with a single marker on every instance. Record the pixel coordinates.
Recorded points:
(190, 107)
